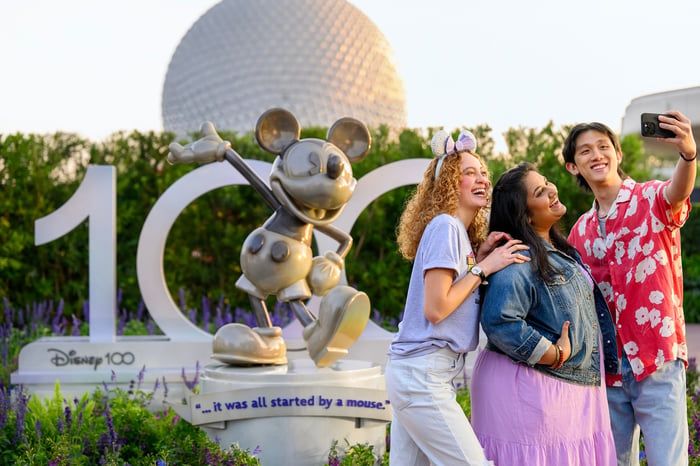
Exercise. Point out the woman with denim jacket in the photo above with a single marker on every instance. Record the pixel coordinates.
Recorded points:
(536, 391)
(443, 230)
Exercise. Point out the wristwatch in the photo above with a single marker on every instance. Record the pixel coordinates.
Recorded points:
(476, 270)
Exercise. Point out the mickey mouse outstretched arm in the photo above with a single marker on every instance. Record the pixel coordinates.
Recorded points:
(255, 181)
(210, 147)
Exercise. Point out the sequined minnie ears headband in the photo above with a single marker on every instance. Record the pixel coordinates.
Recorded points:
(443, 145)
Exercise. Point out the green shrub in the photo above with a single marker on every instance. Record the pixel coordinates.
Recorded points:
(356, 455)
(112, 427)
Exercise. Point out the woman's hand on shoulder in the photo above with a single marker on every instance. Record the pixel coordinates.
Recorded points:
(492, 241)
(502, 256)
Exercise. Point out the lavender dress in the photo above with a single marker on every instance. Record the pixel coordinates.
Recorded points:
(524, 417)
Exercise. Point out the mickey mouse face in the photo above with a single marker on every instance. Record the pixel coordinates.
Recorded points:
(313, 179)
(307, 159)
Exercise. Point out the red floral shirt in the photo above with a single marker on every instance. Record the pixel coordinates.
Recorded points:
(636, 261)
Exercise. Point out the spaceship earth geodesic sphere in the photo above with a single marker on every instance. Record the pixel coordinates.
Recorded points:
(320, 59)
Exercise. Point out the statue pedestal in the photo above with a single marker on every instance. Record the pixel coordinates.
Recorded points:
(292, 414)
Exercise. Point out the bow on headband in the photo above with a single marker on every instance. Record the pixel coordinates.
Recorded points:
(443, 145)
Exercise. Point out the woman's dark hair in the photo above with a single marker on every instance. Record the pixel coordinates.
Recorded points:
(509, 214)
(569, 149)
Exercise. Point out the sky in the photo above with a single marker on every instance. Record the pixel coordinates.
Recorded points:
(95, 67)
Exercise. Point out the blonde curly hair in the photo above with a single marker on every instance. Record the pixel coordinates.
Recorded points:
(437, 196)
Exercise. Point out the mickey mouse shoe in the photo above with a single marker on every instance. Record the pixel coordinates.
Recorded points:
(342, 316)
(239, 345)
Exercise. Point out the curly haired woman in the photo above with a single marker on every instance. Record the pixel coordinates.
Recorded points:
(443, 230)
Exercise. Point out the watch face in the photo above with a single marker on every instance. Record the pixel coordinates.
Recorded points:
(476, 270)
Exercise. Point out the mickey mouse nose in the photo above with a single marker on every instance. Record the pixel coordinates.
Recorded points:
(336, 165)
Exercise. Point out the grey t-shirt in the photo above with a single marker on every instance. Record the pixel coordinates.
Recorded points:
(444, 244)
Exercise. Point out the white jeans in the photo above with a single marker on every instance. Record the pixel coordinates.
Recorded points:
(429, 426)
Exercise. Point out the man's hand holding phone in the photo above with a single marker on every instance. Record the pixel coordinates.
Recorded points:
(676, 129)
(651, 126)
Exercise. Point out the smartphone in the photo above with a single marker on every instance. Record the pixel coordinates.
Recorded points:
(651, 129)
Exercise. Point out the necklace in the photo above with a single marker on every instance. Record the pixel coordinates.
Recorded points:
(602, 216)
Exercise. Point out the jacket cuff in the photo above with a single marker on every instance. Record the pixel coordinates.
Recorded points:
(541, 348)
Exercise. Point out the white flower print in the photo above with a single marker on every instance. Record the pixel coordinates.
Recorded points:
(632, 209)
(661, 257)
(621, 302)
(587, 247)
(598, 248)
(631, 348)
(656, 297)
(670, 218)
(646, 267)
(606, 289)
(582, 228)
(656, 225)
(633, 247)
(642, 229)
(678, 268)
(642, 315)
(649, 193)
(619, 251)
(628, 277)
(648, 248)
(684, 211)
(637, 366)
(660, 359)
(654, 317)
(623, 232)
(676, 300)
(609, 240)
(666, 329)
(624, 194)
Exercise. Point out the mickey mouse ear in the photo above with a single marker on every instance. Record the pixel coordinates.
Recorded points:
(439, 143)
(276, 130)
(352, 137)
(466, 141)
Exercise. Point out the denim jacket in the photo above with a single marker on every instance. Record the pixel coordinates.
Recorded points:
(522, 316)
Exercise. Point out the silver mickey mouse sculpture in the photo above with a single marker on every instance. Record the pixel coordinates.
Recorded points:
(311, 181)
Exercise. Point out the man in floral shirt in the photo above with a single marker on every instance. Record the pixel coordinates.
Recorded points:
(630, 239)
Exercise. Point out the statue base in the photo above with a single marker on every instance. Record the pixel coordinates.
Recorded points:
(294, 413)
(80, 365)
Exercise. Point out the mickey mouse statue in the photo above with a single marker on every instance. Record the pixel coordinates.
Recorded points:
(311, 181)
